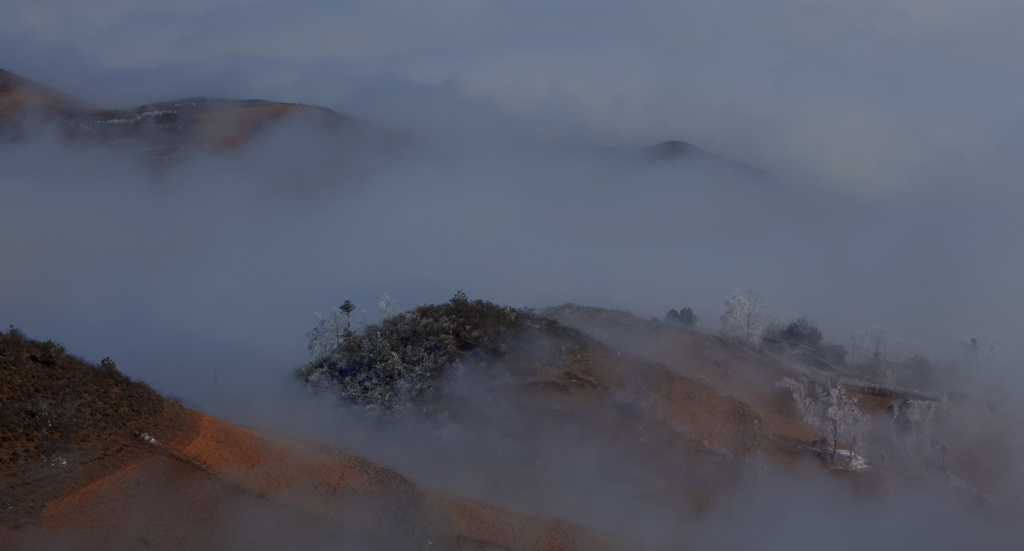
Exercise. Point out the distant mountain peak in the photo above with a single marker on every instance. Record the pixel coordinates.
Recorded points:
(672, 150)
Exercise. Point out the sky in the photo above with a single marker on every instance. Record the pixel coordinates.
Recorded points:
(890, 131)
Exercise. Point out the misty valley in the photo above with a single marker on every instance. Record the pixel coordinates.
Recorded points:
(650, 345)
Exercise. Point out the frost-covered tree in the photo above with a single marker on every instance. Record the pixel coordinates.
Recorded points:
(842, 418)
(387, 367)
(827, 405)
(869, 345)
(886, 353)
(387, 307)
(331, 330)
(329, 333)
(745, 318)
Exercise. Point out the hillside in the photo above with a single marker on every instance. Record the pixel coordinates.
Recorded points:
(164, 131)
(528, 382)
(20, 97)
(674, 419)
(94, 460)
(593, 416)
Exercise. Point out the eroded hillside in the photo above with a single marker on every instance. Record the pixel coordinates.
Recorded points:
(94, 460)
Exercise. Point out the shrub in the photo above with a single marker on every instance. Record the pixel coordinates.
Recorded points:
(15, 334)
(108, 367)
(684, 318)
(51, 353)
(797, 332)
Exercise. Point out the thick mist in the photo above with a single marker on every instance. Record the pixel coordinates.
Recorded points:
(890, 135)
(219, 262)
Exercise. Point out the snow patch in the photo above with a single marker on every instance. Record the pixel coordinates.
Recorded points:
(56, 461)
(845, 459)
(134, 120)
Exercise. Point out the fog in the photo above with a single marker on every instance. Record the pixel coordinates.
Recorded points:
(222, 261)
(890, 133)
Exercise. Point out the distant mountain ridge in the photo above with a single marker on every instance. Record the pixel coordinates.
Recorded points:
(165, 130)
(168, 130)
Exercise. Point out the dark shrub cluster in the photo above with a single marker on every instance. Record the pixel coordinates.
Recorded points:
(795, 333)
(388, 366)
(684, 318)
(51, 353)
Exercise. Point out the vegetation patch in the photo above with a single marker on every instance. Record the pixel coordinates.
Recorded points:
(388, 366)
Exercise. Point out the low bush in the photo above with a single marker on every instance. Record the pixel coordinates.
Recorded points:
(684, 318)
(51, 352)
(797, 332)
(108, 367)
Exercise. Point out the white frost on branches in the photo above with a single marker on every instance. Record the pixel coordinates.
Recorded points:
(745, 318)
(328, 334)
(387, 307)
(869, 345)
(887, 352)
(829, 406)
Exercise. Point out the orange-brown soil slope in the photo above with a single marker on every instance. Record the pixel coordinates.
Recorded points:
(130, 470)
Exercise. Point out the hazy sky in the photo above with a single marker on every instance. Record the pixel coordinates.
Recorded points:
(863, 93)
(892, 130)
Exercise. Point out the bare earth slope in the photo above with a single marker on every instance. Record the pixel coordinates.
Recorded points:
(150, 474)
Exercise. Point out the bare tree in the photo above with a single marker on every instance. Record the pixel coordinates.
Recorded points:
(387, 307)
(329, 333)
(869, 345)
(745, 318)
(828, 406)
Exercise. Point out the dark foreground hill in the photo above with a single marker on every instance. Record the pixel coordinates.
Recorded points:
(94, 460)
